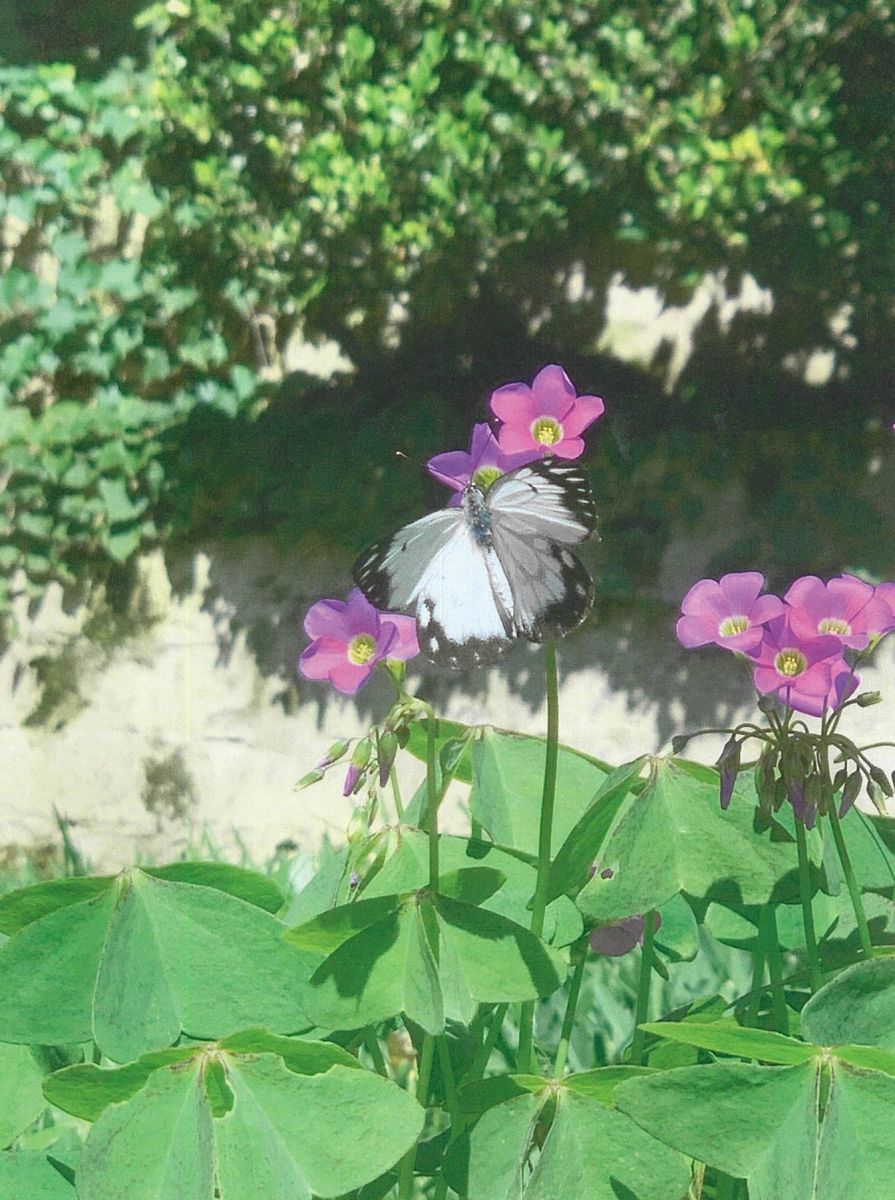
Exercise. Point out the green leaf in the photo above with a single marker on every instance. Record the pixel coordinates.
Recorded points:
(570, 869)
(873, 861)
(678, 935)
(279, 1135)
(417, 744)
(87, 1090)
(591, 1152)
(362, 1124)
(408, 868)
(251, 886)
(21, 907)
(143, 962)
(31, 1175)
(858, 1006)
(857, 1151)
(382, 961)
(160, 1143)
(726, 1037)
(755, 1123)
(21, 1096)
(673, 837)
(508, 775)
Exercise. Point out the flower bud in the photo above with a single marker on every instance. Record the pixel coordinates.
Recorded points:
(306, 780)
(881, 779)
(336, 751)
(867, 698)
(728, 765)
(388, 749)
(359, 760)
(850, 792)
(358, 826)
(679, 743)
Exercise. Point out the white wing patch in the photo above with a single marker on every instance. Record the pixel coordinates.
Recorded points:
(474, 593)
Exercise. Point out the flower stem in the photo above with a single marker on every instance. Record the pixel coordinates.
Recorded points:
(854, 888)
(775, 970)
(483, 1054)
(641, 1012)
(432, 801)
(396, 793)
(526, 1059)
(805, 894)
(405, 1175)
(759, 955)
(562, 1050)
(371, 1041)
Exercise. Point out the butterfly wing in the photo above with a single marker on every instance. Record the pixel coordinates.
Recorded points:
(456, 588)
(537, 512)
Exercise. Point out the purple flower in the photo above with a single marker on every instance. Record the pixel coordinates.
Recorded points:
(350, 637)
(886, 593)
(808, 674)
(482, 464)
(846, 608)
(728, 612)
(547, 418)
(620, 937)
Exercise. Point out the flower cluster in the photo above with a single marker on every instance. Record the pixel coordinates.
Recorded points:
(349, 638)
(547, 417)
(797, 645)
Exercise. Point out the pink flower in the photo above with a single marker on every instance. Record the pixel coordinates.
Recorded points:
(482, 464)
(728, 612)
(886, 593)
(845, 608)
(350, 637)
(547, 417)
(808, 674)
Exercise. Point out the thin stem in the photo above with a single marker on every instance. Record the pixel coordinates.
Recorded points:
(758, 964)
(405, 1174)
(562, 1050)
(432, 798)
(775, 970)
(396, 795)
(854, 888)
(807, 910)
(371, 1041)
(447, 1075)
(526, 1059)
(485, 1050)
(641, 1012)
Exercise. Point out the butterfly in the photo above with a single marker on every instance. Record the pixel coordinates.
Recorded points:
(495, 568)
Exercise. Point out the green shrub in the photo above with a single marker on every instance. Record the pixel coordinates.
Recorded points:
(102, 353)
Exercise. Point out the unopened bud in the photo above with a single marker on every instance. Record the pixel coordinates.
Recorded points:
(882, 781)
(877, 799)
(388, 749)
(336, 751)
(359, 760)
(358, 826)
(867, 698)
(850, 792)
(728, 765)
(306, 780)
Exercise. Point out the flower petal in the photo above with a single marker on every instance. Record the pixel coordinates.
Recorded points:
(405, 643)
(328, 618)
(514, 404)
(740, 589)
(321, 658)
(569, 447)
(553, 391)
(453, 468)
(514, 439)
(585, 411)
(363, 617)
(696, 631)
(349, 678)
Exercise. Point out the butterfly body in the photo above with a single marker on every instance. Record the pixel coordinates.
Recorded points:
(492, 570)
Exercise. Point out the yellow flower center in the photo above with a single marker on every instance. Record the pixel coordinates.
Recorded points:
(834, 625)
(361, 649)
(485, 476)
(547, 431)
(790, 662)
(731, 626)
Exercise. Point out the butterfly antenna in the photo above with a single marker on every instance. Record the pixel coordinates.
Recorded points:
(424, 466)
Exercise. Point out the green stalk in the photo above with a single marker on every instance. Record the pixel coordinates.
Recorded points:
(759, 955)
(641, 1011)
(371, 1041)
(396, 793)
(562, 1050)
(405, 1175)
(807, 911)
(854, 888)
(775, 970)
(483, 1054)
(526, 1058)
(432, 801)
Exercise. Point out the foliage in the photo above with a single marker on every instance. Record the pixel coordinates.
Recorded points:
(104, 355)
(331, 157)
